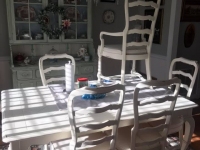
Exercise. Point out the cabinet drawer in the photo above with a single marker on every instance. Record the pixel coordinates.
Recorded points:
(26, 74)
(86, 69)
(24, 84)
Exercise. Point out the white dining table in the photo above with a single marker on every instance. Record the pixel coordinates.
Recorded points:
(30, 115)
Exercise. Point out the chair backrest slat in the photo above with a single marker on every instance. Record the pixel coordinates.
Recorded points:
(157, 128)
(155, 115)
(166, 99)
(185, 87)
(183, 74)
(53, 68)
(44, 71)
(158, 100)
(192, 77)
(54, 80)
(96, 126)
(113, 122)
(140, 31)
(142, 3)
(97, 142)
(140, 17)
(137, 44)
(91, 110)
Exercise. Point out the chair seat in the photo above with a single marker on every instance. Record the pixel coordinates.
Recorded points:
(124, 139)
(64, 144)
(117, 49)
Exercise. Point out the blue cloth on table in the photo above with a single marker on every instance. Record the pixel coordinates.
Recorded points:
(93, 96)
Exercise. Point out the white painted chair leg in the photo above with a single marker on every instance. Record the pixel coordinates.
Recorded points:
(123, 71)
(148, 68)
(181, 136)
(45, 147)
(189, 130)
(99, 69)
(133, 66)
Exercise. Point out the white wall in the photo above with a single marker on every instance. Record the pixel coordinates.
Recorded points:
(4, 44)
(110, 66)
(5, 73)
(163, 54)
(192, 53)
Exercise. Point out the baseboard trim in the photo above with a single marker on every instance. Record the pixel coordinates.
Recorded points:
(4, 58)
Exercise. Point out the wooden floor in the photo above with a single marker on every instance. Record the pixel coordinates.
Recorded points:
(195, 141)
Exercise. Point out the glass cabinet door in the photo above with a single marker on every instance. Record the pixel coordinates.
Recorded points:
(76, 11)
(25, 16)
(54, 21)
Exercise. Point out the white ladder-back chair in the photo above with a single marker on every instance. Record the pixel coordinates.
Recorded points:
(180, 72)
(44, 71)
(177, 124)
(132, 50)
(142, 136)
(95, 140)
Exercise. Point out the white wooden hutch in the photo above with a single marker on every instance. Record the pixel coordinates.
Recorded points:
(27, 38)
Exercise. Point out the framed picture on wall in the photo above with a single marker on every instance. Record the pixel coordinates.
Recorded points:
(158, 27)
(162, 1)
(190, 11)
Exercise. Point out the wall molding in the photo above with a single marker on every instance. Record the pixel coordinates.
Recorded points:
(4, 58)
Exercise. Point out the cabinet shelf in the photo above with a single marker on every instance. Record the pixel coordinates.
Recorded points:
(74, 5)
(27, 3)
(26, 22)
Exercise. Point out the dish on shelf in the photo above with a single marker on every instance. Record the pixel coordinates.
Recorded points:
(23, 1)
(71, 14)
(22, 13)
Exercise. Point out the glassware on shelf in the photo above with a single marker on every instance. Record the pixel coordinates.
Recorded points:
(69, 2)
(53, 51)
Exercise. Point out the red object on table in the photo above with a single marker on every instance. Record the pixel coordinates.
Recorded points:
(82, 82)
(82, 79)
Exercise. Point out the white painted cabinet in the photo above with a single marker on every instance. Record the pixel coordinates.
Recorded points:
(27, 37)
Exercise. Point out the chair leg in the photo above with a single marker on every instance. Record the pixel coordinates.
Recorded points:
(148, 68)
(123, 71)
(181, 136)
(133, 66)
(99, 69)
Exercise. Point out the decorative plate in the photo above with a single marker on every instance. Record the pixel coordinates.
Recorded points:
(22, 13)
(70, 13)
(189, 35)
(108, 16)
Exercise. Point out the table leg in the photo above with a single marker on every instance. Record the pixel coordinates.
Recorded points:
(189, 130)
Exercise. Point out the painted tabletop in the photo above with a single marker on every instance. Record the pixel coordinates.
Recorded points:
(32, 112)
